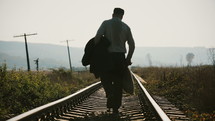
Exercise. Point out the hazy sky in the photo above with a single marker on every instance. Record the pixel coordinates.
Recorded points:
(153, 22)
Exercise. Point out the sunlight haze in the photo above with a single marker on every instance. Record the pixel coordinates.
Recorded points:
(154, 23)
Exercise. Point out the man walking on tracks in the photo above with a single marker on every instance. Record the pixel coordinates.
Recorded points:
(117, 33)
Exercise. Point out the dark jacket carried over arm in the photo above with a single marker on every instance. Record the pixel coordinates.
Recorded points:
(97, 56)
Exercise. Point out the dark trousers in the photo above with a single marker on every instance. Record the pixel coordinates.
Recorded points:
(112, 80)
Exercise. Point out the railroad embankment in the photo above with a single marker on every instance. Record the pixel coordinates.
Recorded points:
(190, 88)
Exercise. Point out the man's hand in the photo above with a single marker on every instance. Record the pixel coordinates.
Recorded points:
(128, 62)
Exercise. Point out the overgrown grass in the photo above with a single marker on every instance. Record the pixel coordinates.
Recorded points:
(189, 88)
(22, 91)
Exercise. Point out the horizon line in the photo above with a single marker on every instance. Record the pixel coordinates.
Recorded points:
(60, 44)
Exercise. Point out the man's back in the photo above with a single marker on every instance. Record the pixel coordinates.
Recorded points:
(117, 32)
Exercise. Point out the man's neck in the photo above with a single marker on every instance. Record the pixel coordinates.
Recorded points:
(117, 18)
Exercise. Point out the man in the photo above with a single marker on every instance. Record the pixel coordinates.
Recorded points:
(117, 33)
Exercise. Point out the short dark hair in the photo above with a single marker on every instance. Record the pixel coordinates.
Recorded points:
(118, 11)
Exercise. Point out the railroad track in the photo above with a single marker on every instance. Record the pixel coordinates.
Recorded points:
(90, 104)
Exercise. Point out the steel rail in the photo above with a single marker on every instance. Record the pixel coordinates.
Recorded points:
(54, 109)
(162, 115)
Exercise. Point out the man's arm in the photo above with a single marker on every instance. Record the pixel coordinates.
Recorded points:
(131, 45)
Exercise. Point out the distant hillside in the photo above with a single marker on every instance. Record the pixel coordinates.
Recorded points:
(169, 56)
(54, 56)
(50, 56)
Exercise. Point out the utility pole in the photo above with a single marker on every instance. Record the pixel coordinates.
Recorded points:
(26, 47)
(70, 64)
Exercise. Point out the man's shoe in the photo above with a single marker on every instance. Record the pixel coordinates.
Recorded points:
(115, 111)
(109, 110)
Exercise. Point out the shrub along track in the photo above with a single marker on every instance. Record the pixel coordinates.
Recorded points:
(90, 104)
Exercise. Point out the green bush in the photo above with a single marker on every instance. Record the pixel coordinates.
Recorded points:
(189, 88)
(22, 91)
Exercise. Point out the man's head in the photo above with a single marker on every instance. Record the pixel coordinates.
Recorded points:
(118, 12)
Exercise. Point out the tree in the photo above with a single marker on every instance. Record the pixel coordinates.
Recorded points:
(189, 57)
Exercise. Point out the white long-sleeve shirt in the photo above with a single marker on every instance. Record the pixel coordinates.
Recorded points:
(117, 32)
